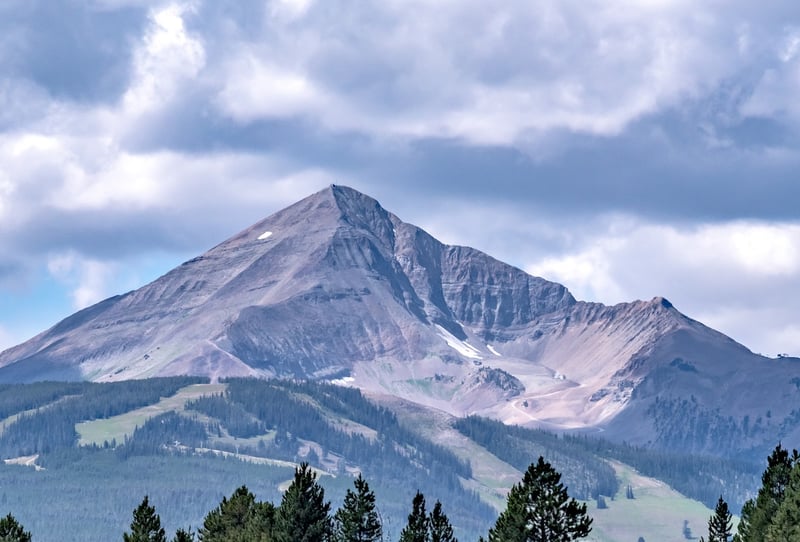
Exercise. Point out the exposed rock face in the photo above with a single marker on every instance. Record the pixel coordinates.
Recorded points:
(337, 287)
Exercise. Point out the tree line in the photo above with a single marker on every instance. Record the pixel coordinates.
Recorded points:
(538, 510)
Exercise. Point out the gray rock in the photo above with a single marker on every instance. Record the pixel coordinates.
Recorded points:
(336, 287)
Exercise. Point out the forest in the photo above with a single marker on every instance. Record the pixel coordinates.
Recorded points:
(253, 433)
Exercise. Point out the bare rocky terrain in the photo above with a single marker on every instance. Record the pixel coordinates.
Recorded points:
(335, 287)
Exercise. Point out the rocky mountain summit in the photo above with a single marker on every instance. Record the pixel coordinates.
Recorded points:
(335, 287)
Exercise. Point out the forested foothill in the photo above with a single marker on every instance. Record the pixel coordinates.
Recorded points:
(538, 510)
(192, 459)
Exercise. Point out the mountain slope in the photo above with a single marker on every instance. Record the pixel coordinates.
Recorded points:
(337, 287)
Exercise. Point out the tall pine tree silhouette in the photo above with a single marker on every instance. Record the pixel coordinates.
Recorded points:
(303, 515)
(357, 520)
(416, 530)
(540, 510)
(146, 525)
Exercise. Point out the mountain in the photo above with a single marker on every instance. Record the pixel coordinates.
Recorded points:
(335, 287)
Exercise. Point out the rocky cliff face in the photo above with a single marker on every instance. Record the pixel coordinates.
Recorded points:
(337, 287)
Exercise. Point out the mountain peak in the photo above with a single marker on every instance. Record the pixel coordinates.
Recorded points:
(662, 301)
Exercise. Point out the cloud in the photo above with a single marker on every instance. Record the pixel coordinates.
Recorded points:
(581, 139)
(488, 74)
(72, 51)
(87, 278)
(732, 276)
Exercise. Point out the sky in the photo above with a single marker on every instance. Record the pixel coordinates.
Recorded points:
(627, 149)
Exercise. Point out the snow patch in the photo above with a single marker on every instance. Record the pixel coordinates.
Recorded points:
(344, 381)
(265, 235)
(462, 347)
(493, 351)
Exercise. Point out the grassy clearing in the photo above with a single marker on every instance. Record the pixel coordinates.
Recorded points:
(117, 427)
(657, 512)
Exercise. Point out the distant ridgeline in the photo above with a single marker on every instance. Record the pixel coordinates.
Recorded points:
(182, 455)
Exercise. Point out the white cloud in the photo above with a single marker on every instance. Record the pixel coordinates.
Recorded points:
(289, 9)
(732, 276)
(87, 279)
(255, 89)
(486, 73)
(167, 57)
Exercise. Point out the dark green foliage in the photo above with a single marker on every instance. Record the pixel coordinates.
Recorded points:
(146, 525)
(720, 524)
(238, 519)
(540, 510)
(686, 424)
(236, 420)
(163, 431)
(91, 496)
(53, 428)
(440, 528)
(303, 515)
(183, 535)
(700, 477)
(290, 406)
(397, 459)
(357, 520)
(786, 523)
(417, 527)
(586, 474)
(758, 514)
(12, 531)
(20, 397)
(188, 486)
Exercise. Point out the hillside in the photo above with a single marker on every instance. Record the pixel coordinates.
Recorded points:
(337, 288)
(97, 448)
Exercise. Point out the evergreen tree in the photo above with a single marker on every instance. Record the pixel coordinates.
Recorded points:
(182, 535)
(757, 515)
(303, 515)
(417, 528)
(785, 525)
(357, 520)
(720, 524)
(238, 519)
(540, 510)
(12, 531)
(259, 527)
(440, 528)
(146, 525)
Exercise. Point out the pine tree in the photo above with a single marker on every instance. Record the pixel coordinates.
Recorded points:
(146, 525)
(238, 519)
(785, 525)
(303, 515)
(440, 528)
(540, 510)
(357, 520)
(417, 528)
(260, 525)
(720, 524)
(12, 531)
(182, 535)
(757, 515)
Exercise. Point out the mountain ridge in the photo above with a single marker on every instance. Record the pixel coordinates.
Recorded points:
(336, 287)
